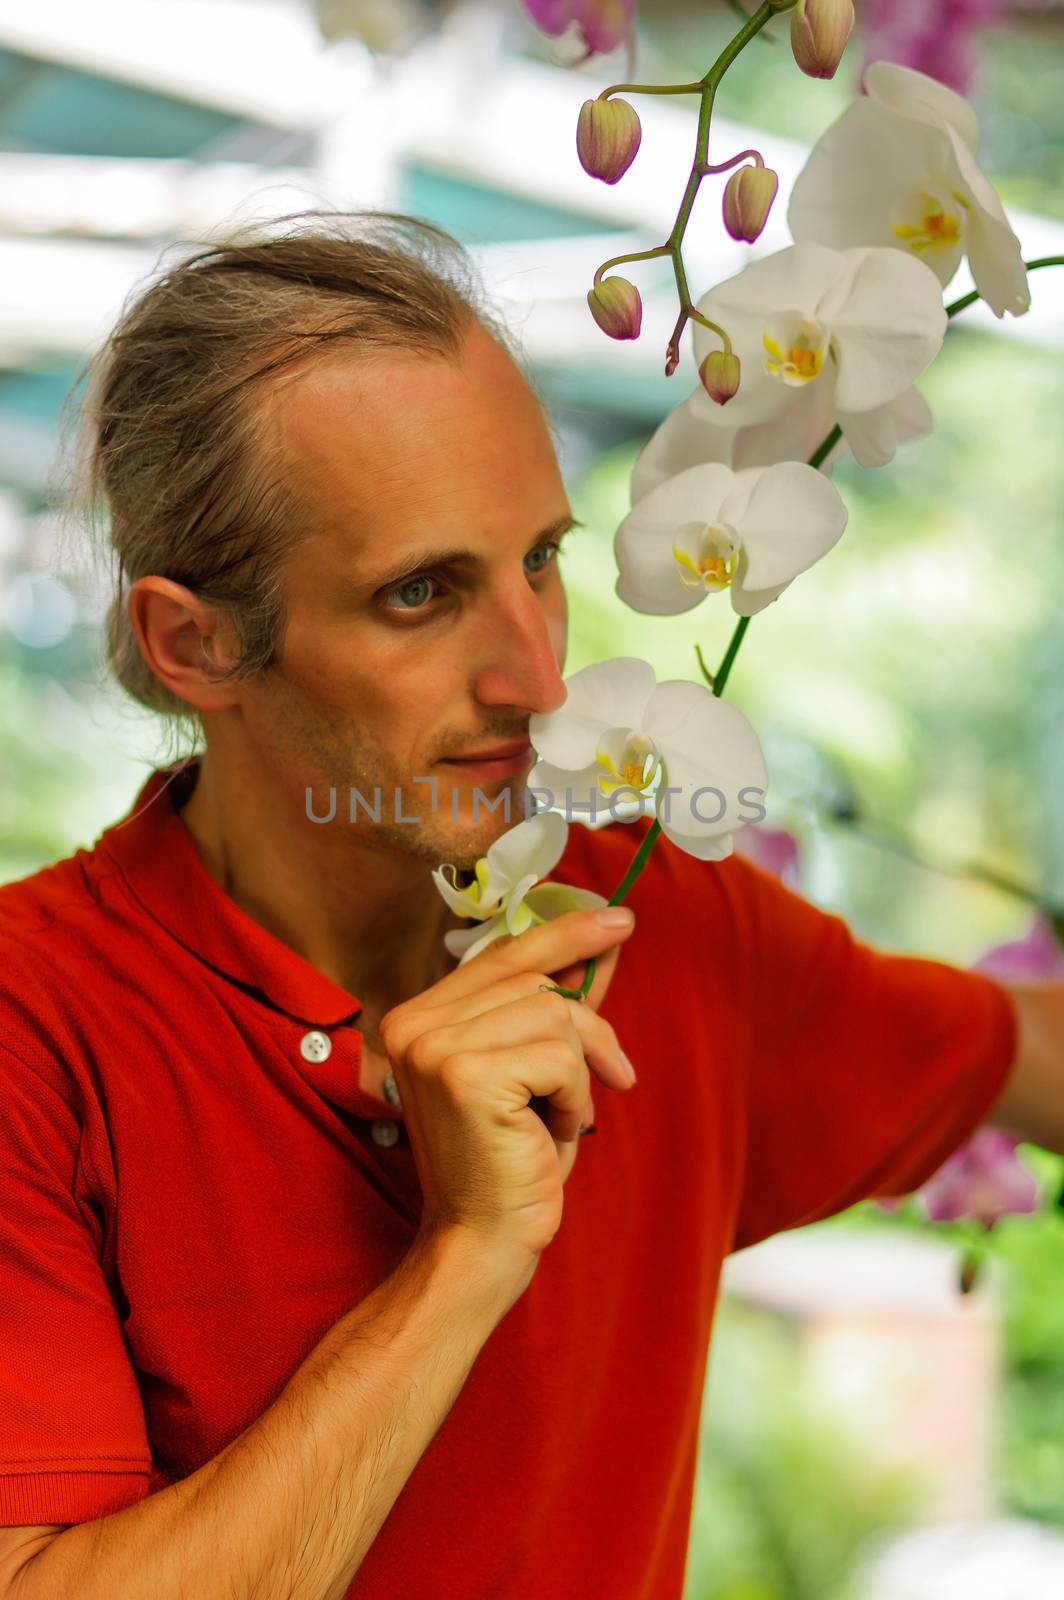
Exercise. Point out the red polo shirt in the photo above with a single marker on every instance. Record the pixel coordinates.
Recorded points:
(195, 1188)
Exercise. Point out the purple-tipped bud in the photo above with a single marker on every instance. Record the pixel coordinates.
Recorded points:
(819, 31)
(617, 308)
(607, 138)
(748, 197)
(719, 373)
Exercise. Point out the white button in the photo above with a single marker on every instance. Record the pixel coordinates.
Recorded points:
(315, 1046)
(385, 1132)
(391, 1092)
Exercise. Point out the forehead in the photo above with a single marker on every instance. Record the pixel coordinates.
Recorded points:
(384, 440)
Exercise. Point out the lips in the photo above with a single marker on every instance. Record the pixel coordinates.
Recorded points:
(499, 752)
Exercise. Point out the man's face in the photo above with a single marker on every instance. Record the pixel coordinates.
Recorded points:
(427, 617)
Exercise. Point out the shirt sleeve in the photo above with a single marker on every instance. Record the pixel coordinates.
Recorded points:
(73, 1441)
(864, 1070)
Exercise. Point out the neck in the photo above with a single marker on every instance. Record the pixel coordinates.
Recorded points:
(371, 921)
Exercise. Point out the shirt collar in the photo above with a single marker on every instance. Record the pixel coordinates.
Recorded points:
(158, 859)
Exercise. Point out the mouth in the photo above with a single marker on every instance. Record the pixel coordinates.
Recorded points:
(497, 761)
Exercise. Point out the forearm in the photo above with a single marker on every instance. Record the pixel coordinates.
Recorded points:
(288, 1510)
(1032, 1103)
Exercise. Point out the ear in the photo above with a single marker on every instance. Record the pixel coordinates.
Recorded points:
(184, 640)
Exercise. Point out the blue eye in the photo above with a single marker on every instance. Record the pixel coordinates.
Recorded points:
(413, 584)
(415, 593)
(547, 551)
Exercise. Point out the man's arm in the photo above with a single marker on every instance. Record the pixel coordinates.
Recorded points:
(1032, 1104)
(290, 1508)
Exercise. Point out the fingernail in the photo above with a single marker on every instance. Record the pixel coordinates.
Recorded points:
(592, 1129)
(628, 1067)
(615, 917)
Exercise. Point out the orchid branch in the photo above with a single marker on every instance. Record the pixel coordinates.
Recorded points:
(609, 161)
(718, 680)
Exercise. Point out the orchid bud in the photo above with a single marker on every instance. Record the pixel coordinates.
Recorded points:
(616, 307)
(748, 198)
(719, 373)
(819, 31)
(607, 138)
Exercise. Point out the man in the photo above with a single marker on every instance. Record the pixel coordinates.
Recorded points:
(273, 1324)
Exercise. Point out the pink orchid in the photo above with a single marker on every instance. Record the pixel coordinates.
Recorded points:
(603, 24)
(933, 36)
(984, 1179)
(772, 848)
(1037, 955)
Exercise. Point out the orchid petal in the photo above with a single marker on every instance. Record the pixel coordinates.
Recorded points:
(465, 943)
(748, 602)
(650, 579)
(792, 517)
(683, 440)
(575, 790)
(994, 252)
(914, 94)
(860, 171)
(552, 16)
(792, 280)
(604, 24)
(518, 916)
(705, 743)
(794, 433)
(609, 694)
(534, 846)
(1037, 955)
(887, 323)
(549, 900)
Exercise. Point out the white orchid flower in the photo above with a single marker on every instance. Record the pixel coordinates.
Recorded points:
(695, 758)
(710, 529)
(689, 437)
(899, 169)
(506, 895)
(858, 325)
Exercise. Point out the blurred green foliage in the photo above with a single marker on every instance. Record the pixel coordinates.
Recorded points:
(785, 1503)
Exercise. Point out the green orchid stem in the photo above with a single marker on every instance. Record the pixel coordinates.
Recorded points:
(970, 1268)
(651, 88)
(639, 861)
(636, 255)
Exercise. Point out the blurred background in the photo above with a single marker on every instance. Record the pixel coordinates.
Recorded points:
(910, 698)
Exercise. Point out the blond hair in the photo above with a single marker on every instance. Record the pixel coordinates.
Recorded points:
(172, 463)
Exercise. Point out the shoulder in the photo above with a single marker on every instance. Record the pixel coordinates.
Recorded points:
(53, 924)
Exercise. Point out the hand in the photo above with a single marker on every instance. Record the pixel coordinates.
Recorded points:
(470, 1052)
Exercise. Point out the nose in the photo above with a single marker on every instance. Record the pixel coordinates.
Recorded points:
(523, 650)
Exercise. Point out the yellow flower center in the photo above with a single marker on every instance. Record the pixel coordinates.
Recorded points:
(707, 557)
(627, 760)
(927, 220)
(795, 348)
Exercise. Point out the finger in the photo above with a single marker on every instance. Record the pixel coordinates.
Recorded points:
(605, 966)
(548, 1071)
(531, 1018)
(545, 948)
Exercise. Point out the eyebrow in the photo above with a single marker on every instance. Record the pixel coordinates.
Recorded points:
(419, 561)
